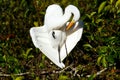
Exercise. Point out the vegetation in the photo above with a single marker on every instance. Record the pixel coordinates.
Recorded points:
(96, 56)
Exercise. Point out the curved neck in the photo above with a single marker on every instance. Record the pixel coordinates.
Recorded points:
(69, 10)
(66, 16)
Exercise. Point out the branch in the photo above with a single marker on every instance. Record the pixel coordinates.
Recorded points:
(20, 74)
(99, 72)
(55, 71)
(42, 73)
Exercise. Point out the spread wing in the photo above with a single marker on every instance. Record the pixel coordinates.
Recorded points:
(41, 40)
(72, 39)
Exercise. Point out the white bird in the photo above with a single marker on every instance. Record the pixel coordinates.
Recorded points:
(55, 18)
(57, 39)
(51, 40)
(42, 41)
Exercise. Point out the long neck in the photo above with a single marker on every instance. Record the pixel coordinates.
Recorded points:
(69, 10)
(66, 16)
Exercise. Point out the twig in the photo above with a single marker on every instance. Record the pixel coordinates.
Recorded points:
(42, 73)
(20, 74)
(55, 71)
(98, 73)
(65, 68)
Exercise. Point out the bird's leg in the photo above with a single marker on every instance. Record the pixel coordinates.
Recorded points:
(59, 53)
(66, 49)
(65, 44)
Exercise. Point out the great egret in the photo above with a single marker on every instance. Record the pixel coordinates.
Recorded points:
(42, 41)
(50, 39)
(57, 39)
(55, 19)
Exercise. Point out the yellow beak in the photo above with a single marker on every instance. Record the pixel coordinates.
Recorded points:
(70, 25)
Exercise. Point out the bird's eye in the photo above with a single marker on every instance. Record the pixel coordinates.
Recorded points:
(53, 34)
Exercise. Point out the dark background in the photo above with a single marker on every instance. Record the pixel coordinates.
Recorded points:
(98, 49)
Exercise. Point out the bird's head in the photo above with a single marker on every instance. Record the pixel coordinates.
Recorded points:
(76, 15)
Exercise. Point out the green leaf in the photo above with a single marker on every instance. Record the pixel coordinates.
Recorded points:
(100, 29)
(37, 78)
(108, 7)
(28, 51)
(30, 56)
(117, 5)
(43, 13)
(93, 13)
(25, 54)
(35, 23)
(26, 13)
(111, 1)
(20, 78)
(99, 20)
(92, 77)
(23, 3)
(104, 62)
(62, 77)
(4, 57)
(99, 60)
(118, 11)
(87, 45)
(41, 65)
(101, 7)
(90, 15)
(103, 49)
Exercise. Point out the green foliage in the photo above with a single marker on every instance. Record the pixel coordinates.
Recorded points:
(26, 55)
(18, 78)
(98, 48)
(110, 6)
(101, 7)
(63, 77)
(102, 60)
(92, 77)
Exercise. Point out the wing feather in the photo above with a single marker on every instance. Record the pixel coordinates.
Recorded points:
(41, 40)
(71, 41)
